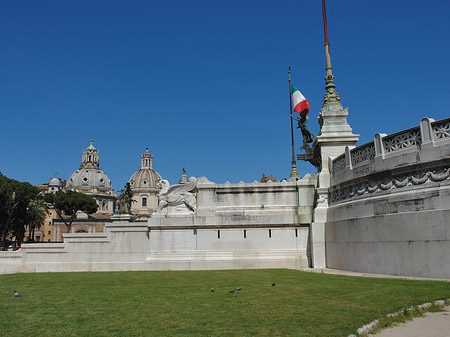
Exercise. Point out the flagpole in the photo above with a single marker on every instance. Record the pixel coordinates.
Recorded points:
(294, 173)
(327, 45)
(331, 96)
(325, 22)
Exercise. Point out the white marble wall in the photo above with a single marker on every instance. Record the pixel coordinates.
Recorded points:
(390, 205)
(256, 225)
(274, 216)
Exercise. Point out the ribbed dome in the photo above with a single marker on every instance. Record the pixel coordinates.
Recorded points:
(145, 177)
(54, 182)
(89, 178)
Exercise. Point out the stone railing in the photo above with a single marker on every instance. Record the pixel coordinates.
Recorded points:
(339, 163)
(402, 140)
(413, 139)
(441, 129)
(362, 153)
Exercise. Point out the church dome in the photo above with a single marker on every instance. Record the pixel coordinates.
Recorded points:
(89, 176)
(146, 177)
(144, 185)
(54, 182)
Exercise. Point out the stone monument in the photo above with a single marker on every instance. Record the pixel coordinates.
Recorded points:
(334, 136)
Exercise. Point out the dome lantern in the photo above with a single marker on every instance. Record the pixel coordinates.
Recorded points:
(90, 157)
(146, 160)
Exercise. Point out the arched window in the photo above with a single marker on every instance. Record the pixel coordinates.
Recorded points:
(144, 201)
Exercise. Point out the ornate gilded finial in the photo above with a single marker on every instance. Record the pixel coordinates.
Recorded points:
(184, 168)
(91, 141)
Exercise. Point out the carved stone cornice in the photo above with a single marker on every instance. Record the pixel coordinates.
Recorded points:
(418, 178)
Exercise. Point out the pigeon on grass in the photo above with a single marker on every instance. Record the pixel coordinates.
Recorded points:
(231, 291)
(17, 294)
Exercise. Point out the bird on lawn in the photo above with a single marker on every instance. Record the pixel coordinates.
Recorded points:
(231, 291)
(17, 294)
(238, 289)
(273, 284)
(212, 290)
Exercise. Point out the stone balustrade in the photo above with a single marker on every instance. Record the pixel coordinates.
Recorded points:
(428, 133)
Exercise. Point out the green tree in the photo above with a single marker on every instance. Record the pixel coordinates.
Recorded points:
(14, 199)
(36, 215)
(69, 203)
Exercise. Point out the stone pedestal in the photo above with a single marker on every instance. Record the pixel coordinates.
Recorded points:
(335, 135)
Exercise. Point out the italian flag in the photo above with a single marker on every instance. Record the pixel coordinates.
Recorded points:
(300, 102)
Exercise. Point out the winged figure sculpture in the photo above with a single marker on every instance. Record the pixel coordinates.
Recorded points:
(176, 195)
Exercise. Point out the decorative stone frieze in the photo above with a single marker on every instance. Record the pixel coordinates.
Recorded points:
(419, 178)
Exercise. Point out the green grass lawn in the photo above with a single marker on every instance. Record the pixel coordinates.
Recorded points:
(181, 304)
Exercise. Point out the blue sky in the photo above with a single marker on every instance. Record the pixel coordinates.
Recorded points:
(205, 83)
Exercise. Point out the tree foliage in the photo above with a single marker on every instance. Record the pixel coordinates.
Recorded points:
(69, 203)
(15, 197)
(36, 215)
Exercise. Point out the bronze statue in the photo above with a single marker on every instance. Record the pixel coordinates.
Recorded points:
(310, 155)
(308, 136)
(125, 200)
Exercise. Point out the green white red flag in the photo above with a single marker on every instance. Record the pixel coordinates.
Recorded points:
(301, 105)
